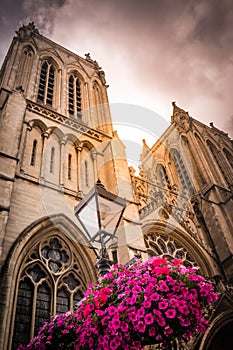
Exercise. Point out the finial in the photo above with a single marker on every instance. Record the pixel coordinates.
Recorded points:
(99, 184)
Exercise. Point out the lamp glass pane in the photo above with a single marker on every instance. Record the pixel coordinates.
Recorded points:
(109, 212)
(88, 215)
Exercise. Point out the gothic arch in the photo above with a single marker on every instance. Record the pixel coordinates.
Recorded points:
(78, 261)
(177, 241)
(51, 56)
(38, 123)
(33, 148)
(56, 131)
(73, 139)
(87, 144)
(25, 66)
(80, 72)
(222, 326)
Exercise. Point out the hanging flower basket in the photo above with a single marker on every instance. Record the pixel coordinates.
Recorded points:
(156, 301)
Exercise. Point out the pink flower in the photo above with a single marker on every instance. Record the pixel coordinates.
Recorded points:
(141, 312)
(158, 262)
(116, 323)
(141, 326)
(114, 344)
(146, 304)
(162, 305)
(149, 319)
(152, 331)
(187, 334)
(161, 321)
(185, 322)
(170, 313)
(163, 287)
(124, 326)
(168, 331)
(155, 296)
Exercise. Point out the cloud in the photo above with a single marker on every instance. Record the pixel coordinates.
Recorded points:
(153, 52)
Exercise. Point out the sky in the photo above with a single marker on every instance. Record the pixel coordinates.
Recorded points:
(153, 52)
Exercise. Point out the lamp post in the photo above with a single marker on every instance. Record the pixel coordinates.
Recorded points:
(100, 213)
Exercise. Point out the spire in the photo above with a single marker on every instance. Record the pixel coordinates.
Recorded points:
(180, 119)
(176, 108)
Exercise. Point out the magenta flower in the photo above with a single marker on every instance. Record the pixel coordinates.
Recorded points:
(170, 313)
(149, 319)
(152, 331)
(141, 326)
(162, 305)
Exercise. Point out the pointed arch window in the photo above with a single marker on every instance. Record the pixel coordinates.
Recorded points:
(50, 283)
(219, 161)
(46, 85)
(86, 173)
(75, 107)
(229, 157)
(162, 177)
(25, 67)
(33, 155)
(183, 176)
(167, 247)
(52, 159)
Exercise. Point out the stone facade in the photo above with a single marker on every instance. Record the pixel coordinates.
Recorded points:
(184, 192)
(56, 141)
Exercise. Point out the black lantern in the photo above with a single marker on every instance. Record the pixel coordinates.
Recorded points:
(100, 213)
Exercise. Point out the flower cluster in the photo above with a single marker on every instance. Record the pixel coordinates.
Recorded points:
(58, 334)
(156, 301)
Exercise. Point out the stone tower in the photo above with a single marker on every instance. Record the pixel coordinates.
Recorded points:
(56, 141)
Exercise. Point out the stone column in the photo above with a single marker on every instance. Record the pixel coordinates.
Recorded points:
(43, 158)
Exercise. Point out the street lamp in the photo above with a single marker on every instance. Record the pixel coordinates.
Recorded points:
(100, 213)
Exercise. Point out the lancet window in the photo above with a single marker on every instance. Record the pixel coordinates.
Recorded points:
(33, 155)
(46, 85)
(183, 176)
(75, 107)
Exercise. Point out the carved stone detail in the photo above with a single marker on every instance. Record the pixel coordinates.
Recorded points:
(26, 32)
(75, 124)
(181, 119)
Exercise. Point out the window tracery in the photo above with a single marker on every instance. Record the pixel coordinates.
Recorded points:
(183, 176)
(229, 157)
(162, 177)
(25, 67)
(51, 282)
(75, 107)
(167, 247)
(46, 85)
(219, 161)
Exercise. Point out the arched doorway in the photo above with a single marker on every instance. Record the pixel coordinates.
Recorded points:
(219, 336)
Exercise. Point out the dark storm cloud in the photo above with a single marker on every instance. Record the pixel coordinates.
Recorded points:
(15, 13)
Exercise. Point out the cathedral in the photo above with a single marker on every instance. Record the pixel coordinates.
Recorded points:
(56, 142)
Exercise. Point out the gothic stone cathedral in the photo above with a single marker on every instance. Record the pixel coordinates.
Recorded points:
(56, 140)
